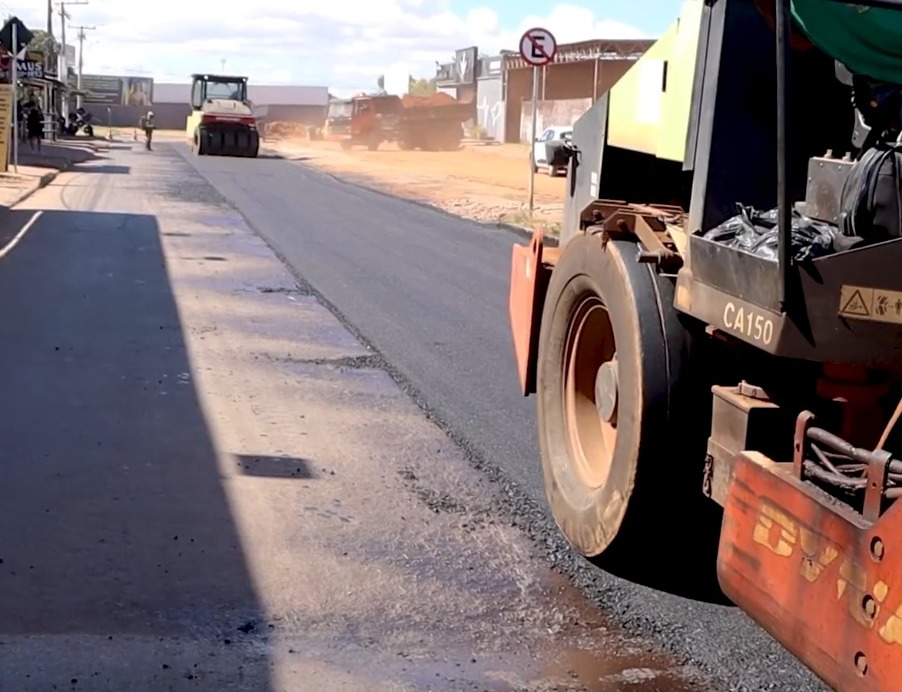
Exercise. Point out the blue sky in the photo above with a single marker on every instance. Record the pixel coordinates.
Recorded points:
(345, 45)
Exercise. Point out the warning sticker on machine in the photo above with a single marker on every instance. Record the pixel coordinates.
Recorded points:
(873, 304)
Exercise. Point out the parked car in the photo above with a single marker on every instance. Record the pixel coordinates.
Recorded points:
(558, 132)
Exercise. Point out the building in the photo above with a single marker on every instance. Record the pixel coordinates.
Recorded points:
(490, 97)
(567, 88)
(458, 78)
(501, 85)
(111, 100)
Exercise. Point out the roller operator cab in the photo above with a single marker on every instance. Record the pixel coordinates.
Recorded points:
(722, 320)
(222, 121)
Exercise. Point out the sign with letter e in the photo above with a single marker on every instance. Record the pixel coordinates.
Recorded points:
(538, 47)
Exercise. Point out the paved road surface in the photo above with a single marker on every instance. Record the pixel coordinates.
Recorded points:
(429, 291)
(208, 485)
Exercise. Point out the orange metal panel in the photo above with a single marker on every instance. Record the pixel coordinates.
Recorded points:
(529, 278)
(816, 575)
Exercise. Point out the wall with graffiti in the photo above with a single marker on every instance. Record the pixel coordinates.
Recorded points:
(490, 108)
(490, 98)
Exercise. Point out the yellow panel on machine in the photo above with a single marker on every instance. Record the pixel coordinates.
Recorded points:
(222, 121)
(650, 104)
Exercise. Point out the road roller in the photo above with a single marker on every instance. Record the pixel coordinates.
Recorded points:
(222, 121)
(714, 341)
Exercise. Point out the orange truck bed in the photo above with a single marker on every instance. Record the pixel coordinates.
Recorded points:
(438, 106)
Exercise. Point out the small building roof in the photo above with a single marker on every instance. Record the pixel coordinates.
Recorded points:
(262, 94)
(596, 49)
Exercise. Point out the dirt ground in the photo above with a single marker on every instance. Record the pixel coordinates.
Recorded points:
(485, 183)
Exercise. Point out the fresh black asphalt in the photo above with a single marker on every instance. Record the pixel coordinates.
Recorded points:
(429, 292)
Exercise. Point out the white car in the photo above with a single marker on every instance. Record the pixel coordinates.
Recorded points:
(564, 132)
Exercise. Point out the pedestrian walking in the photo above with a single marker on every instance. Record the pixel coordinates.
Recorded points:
(147, 124)
(34, 123)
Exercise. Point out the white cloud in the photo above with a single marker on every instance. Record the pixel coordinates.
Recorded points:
(342, 44)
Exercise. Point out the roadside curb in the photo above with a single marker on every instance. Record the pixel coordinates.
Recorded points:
(525, 233)
(43, 181)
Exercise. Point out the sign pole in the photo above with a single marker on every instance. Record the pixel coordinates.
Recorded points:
(538, 48)
(534, 135)
(14, 78)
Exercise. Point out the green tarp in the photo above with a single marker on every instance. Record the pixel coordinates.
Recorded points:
(866, 40)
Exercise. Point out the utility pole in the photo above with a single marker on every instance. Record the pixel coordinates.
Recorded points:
(49, 57)
(63, 67)
(81, 55)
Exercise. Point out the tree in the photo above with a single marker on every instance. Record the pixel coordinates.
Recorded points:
(421, 87)
(42, 42)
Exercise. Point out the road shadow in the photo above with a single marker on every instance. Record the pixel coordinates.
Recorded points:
(113, 516)
(11, 222)
(57, 157)
(74, 154)
(112, 169)
(265, 466)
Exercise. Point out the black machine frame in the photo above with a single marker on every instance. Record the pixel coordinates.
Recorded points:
(784, 199)
(789, 309)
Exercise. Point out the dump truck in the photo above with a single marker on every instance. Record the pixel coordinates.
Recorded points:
(430, 123)
(715, 341)
(222, 120)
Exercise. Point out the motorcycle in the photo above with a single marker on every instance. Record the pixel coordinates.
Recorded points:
(80, 120)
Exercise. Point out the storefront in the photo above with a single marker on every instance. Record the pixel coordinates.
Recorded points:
(35, 84)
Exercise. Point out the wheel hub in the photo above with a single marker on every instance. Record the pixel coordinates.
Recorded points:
(606, 390)
(590, 391)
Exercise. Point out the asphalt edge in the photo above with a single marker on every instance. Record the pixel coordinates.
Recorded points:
(525, 233)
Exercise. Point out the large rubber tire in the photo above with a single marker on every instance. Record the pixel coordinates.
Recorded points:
(217, 142)
(242, 142)
(230, 142)
(253, 144)
(201, 145)
(627, 493)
